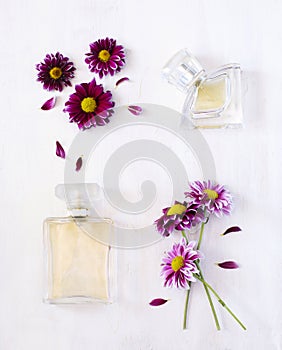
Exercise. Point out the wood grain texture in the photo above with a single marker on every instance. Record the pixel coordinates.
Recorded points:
(247, 160)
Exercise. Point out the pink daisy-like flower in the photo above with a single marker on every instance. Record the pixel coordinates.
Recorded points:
(89, 105)
(214, 197)
(105, 57)
(55, 72)
(171, 217)
(178, 266)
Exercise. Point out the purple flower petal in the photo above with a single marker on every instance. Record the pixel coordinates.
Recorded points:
(78, 164)
(49, 104)
(135, 110)
(121, 81)
(158, 302)
(231, 229)
(60, 152)
(228, 265)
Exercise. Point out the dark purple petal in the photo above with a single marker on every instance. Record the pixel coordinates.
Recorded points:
(121, 80)
(49, 104)
(60, 152)
(231, 229)
(135, 110)
(78, 164)
(228, 265)
(158, 302)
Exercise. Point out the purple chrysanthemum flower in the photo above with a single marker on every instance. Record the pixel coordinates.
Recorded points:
(193, 215)
(215, 198)
(89, 105)
(171, 217)
(55, 72)
(105, 57)
(178, 266)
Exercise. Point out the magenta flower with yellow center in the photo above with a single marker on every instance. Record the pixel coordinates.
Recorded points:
(178, 266)
(90, 105)
(215, 198)
(55, 72)
(105, 57)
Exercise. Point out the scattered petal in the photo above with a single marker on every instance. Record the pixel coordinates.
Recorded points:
(49, 104)
(121, 81)
(60, 152)
(228, 265)
(231, 229)
(135, 110)
(158, 302)
(78, 164)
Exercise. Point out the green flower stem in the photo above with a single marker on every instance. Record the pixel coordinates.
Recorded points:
(186, 306)
(209, 298)
(201, 275)
(188, 291)
(184, 235)
(200, 278)
(201, 235)
(202, 231)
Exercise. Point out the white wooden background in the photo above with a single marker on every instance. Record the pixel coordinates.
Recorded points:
(249, 161)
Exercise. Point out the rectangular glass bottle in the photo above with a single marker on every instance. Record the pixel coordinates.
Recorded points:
(79, 267)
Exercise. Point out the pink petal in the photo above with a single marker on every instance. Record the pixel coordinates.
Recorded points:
(228, 265)
(60, 152)
(78, 164)
(158, 302)
(121, 80)
(231, 229)
(49, 104)
(135, 110)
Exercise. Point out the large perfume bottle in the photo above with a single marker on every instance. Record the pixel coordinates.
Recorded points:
(213, 100)
(78, 260)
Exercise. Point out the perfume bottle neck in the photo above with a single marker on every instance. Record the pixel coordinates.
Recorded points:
(78, 212)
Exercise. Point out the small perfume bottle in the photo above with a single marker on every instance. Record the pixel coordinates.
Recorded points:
(80, 268)
(213, 100)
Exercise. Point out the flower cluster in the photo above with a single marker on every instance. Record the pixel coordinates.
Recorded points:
(90, 105)
(181, 265)
(205, 198)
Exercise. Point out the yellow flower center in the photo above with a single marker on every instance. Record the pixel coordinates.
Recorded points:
(211, 194)
(176, 209)
(55, 73)
(177, 263)
(88, 105)
(104, 55)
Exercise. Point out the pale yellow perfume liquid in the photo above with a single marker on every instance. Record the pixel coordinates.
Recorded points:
(211, 95)
(78, 264)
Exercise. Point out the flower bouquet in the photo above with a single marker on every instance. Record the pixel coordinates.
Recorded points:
(181, 265)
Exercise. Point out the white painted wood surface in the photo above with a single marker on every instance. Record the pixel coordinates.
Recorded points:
(248, 160)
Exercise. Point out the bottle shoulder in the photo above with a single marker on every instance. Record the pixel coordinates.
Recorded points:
(68, 219)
